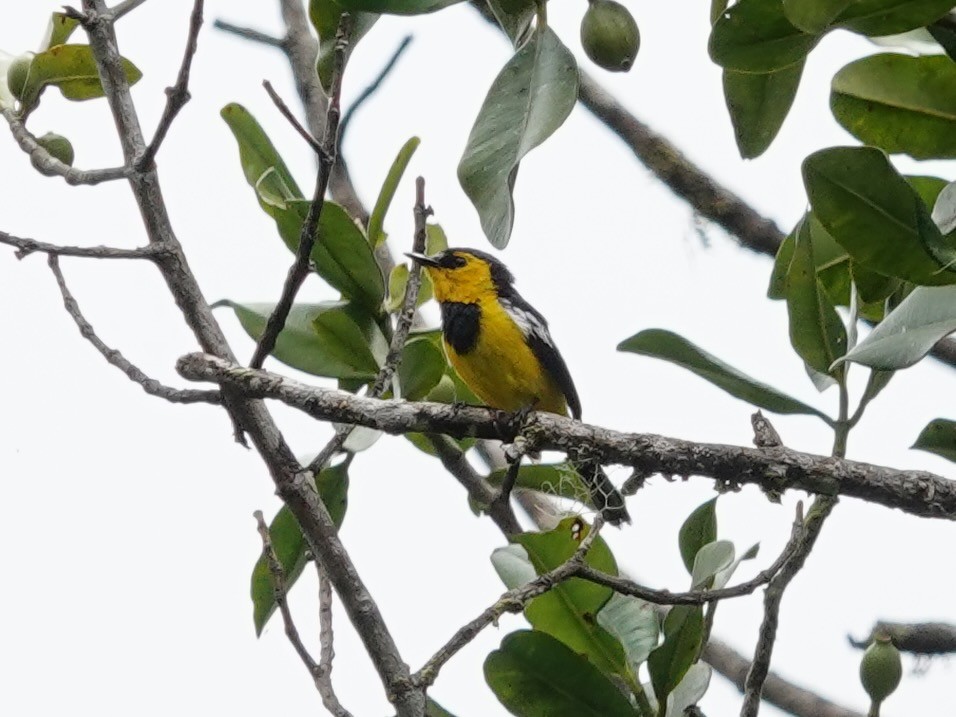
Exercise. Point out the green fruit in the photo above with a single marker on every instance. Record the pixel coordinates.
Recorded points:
(881, 668)
(443, 392)
(17, 74)
(610, 36)
(58, 146)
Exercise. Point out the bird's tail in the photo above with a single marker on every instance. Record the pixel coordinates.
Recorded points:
(605, 497)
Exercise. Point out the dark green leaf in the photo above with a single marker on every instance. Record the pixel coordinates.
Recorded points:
(534, 675)
(376, 221)
(290, 545)
(909, 331)
(755, 36)
(939, 437)
(668, 346)
(781, 265)
(568, 611)
(813, 15)
(758, 105)
(327, 339)
(899, 103)
(433, 709)
(890, 17)
(554, 479)
(528, 101)
(872, 287)
(260, 161)
(59, 30)
(717, 8)
(325, 16)
(816, 331)
(396, 7)
(683, 633)
(72, 69)
(945, 35)
(422, 366)
(514, 17)
(698, 530)
(871, 210)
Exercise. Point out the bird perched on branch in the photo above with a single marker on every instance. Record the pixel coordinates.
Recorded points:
(501, 347)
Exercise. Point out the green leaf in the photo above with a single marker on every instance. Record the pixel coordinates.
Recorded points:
(433, 709)
(529, 99)
(668, 346)
(513, 565)
(899, 103)
(556, 479)
(945, 35)
(257, 154)
(514, 17)
(939, 437)
(909, 331)
(435, 239)
(422, 366)
(717, 8)
(291, 546)
(877, 18)
(711, 559)
(59, 30)
(534, 675)
(722, 577)
(755, 36)
(327, 339)
(758, 105)
(683, 634)
(944, 209)
(72, 69)
(813, 15)
(634, 623)
(698, 530)
(568, 611)
(396, 7)
(816, 331)
(376, 221)
(690, 689)
(872, 211)
(777, 288)
(325, 16)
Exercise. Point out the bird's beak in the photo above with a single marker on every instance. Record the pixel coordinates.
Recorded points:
(421, 259)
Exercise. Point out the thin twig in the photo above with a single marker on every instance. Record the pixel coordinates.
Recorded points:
(120, 9)
(279, 594)
(50, 166)
(287, 113)
(508, 483)
(300, 267)
(25, 247)
(402, 327)
(365, 94)
(150, 385)
(511, 601)
(323, 673)
(248, 33)
(760, 666)
(178, 95)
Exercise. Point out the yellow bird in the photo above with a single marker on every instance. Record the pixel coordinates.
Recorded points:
(502, 349)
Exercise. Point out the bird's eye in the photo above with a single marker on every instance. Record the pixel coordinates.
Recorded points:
(452, 261)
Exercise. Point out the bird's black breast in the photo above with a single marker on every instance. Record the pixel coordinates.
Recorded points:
(460, 325)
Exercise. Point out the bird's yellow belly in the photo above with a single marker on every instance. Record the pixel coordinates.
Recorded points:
(504, 372)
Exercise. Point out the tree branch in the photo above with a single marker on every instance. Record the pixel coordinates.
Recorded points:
(920, 638)
(307, 237)
(372, 88)
(115, 358)
(916, 492)
(178, 95)
(25, 247)
(323, 676)
(251, 34)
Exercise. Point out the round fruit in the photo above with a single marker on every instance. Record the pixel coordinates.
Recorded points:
(17, 73)
(610, 36)
(58, 146)
(881, 668)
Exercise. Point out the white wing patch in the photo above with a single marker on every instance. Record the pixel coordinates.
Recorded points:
(529, 323)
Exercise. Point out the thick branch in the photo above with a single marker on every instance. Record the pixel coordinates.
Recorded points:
(917, 492)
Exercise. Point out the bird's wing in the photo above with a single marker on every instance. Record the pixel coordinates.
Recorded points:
(535, 329)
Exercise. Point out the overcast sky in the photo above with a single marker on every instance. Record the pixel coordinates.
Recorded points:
(127, 536)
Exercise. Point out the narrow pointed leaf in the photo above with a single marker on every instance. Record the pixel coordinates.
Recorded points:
(877, 18)
(873, 212)
(683, 633)
(755, 36)
(534, 675)
(59, 30)
(777, 289)
(758, 104)
(899, 103)
(376, 221)
(290, 545)
(527, 102)
(668, 346)
(910, 330)
(698, 530)
(257, 154)
(939, 437)
(813, 15)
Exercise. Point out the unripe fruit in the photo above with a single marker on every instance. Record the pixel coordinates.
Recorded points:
(58, 146)
(881, 668)
(610, 36)
(17, 74)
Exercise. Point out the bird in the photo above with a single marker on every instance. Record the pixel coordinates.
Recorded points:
(502, 349)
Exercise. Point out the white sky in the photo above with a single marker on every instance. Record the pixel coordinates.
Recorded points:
(127, 535)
